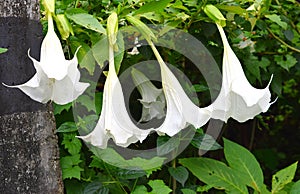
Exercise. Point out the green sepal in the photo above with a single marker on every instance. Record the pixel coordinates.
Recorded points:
(214, 13)
(63, 25)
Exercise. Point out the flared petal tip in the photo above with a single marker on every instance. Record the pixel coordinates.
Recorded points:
(89, 139)
(8, 85)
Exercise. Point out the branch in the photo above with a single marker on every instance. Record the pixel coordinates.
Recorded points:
(282, 42)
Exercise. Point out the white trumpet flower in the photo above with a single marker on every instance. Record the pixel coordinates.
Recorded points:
(153, 99)
(114, 121)
(181, 111)
(56, 78)
(237, 98)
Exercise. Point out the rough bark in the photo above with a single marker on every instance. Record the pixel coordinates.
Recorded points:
(29, 156)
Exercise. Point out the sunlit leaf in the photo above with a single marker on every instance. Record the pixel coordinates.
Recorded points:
(215, 173)
(244, 162)
(86, 20)
(179, 173)
(283, 177)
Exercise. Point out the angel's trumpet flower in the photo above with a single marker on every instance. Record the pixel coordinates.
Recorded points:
(153, 99)
(237, 98)
(114, 121)
(56, 78)
(181, 111)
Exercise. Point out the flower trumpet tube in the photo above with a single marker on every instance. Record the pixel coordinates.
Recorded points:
(56, 78)
(237, 98)
(114, 121)
(181, 111)
(153, 99)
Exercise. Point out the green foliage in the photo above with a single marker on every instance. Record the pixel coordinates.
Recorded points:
(69, 166)
(265, 37)
(158, 187)
(215, 173)
(3, 50)
(243, 171)
(283, 177)
(179, 173)
(84, 19)
(245, 164)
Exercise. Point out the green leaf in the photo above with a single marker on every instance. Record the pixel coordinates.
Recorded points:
(87, 102)
(204, 188)
(169, 146)
(72, 143)
(244, 162)
(286, 64)
(200, 88)
(67, 127)
(205, 142)
(159, 187)
(100, 51)
(140, 189)
(86, 20)
(149, 165)
(179, 173)
(69, 166)
(233, 9)
(295, 188)
(129, 174)
(264, 63)
(215, 173)
(87, 123)
(95, 187)
(276, 18)
(73, 186)
(283, 177)
(84, 55)
(59, 108)
(112, 157)
(3, 50)
(188, 191)
(152, 6)
(252, 64)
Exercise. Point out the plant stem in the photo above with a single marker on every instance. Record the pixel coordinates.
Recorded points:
(76, 3)
(116, 181)
(252, 134)
(134, 185)
(282, 42)
(195, 14)
(174, 183)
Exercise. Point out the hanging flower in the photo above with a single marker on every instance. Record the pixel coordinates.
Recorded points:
(181, 111)
(56, 78)
(153, 99)
(237, 98)
(114, 121)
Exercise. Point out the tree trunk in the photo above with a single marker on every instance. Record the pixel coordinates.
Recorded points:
(29, 156)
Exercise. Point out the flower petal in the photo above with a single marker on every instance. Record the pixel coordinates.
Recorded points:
(36, 88)
(181, 111)
(114, 121)
(69, 88)
(153, 100)
(237, 98)
(52, 60)
(65, 90)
